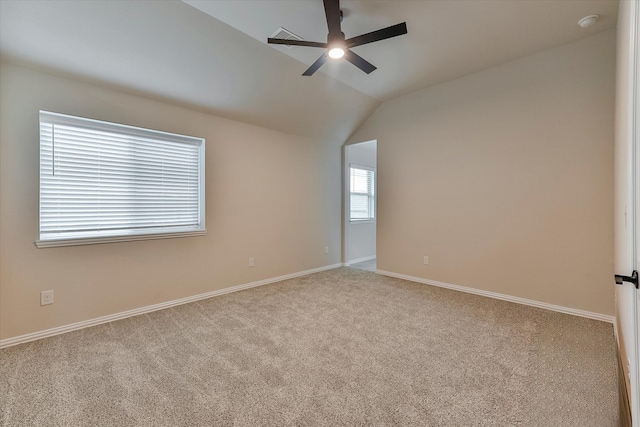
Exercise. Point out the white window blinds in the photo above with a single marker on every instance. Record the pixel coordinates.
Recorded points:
(100, 181)
(362, 200)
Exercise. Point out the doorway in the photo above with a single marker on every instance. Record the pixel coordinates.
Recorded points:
(360, 189)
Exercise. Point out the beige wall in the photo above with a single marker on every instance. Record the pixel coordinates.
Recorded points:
(504, 178)
(269, 195)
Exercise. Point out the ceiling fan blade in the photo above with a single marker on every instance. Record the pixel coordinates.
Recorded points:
(332, 12)
(314, 67)
(359, 62)
(296, 43)
(374, 36)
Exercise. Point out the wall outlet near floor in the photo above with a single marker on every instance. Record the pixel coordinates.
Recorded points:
(425, 260)
(326, 249)
(251, 263)
(46, 297)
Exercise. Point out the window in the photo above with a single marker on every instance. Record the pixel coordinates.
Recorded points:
(103, 182)
(362, 183)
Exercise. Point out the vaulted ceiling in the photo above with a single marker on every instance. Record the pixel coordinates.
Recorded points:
(212, 55)
(447, 38)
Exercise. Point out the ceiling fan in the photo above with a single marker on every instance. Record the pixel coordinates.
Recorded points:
(336, 45)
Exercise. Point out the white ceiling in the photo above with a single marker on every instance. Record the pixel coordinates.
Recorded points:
(219, 61)
(447, 38)
(171, 51)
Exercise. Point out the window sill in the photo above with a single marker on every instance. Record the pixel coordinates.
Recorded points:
(113, 239)
(362, 221)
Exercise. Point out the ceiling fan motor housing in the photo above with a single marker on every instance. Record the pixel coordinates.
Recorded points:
(336, 39)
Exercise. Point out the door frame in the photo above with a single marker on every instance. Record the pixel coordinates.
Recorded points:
(628, 329)
(346, 190)
(634, 62)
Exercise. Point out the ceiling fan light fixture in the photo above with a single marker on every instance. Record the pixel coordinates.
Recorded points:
(336, 52)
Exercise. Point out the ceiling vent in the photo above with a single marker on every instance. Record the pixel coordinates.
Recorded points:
(283, 33)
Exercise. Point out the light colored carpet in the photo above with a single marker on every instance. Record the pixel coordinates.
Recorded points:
(344, 347)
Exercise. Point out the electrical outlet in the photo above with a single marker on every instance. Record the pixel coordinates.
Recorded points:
(326, 249)
(251, 263)
(425, 260)
(46, 297)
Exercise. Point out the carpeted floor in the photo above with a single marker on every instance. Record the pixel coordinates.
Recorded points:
(344, 347)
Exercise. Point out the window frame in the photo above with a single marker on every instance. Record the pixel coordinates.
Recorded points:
(371, 195)
(129, 234)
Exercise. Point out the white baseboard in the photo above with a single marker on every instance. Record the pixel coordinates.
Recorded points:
(357, 260)
(517, 300)
(148, 309)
